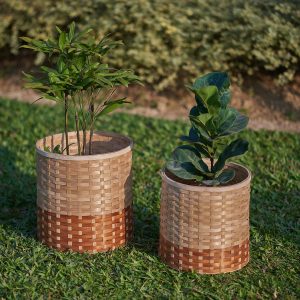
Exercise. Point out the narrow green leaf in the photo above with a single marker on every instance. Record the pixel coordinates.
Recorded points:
(62, 40)
(71, 31)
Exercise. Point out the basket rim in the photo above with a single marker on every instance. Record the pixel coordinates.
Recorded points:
(112, 154)
(195, 188)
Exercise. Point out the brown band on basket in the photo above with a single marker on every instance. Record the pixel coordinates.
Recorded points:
(85, 233)
(210, 261)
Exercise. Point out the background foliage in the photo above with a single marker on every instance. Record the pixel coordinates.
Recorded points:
(167, 40)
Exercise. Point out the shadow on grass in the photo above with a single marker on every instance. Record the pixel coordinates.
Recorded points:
(17, 196)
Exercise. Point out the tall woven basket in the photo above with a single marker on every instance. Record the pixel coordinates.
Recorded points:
(205, 229)
(84, 203)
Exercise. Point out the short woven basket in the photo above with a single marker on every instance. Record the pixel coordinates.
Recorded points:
(205, 229)
(84, 203)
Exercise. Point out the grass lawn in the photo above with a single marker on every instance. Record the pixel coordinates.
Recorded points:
(30, 270)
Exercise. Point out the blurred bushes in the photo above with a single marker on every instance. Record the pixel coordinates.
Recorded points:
(170, 40)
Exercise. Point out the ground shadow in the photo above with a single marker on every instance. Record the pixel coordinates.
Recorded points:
(17, 196)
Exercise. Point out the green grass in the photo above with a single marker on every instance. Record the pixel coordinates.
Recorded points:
(30, 270)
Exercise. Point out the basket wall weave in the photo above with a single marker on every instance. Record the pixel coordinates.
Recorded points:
(84, 203)
(205, 229)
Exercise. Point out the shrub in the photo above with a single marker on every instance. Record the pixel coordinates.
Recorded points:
(170, 40)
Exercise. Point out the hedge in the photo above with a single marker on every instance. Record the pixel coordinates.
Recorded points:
(167, 41)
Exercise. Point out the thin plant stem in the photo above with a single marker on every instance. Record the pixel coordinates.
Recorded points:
(77, 131)
(83, 140)
(92, 110)
(211, 163)
(66, 124)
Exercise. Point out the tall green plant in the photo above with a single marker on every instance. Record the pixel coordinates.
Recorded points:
(79, 79)
(212, 121)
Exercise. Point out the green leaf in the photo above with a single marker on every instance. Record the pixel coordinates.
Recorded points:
(58, 29)
(223, 178)
(220, 80)
(56, 149)
(111, 106)
(192, 137)
(235, 148)
(240, 123)
(210, 96)
(226, 176)
(185, 171)
(227, 122)
(187, 153)
(71, 31)
(62, 40)
(199, 125)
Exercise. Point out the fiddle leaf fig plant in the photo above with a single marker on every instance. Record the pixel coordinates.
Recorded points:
(79, 79)
(203, 158)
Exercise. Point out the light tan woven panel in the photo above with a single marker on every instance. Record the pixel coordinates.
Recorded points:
(86, 233)
(209, 261)
(85, 185)
(204, 220)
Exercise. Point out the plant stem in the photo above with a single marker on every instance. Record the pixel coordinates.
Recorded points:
(66, 124)
(83, 140)
(211, 163)
(92, 109)
(77, 131)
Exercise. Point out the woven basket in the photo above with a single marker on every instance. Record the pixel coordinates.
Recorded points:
(205, 229)
(84, 203)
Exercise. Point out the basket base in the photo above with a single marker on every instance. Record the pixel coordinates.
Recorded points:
(90, 234)
(210, 261)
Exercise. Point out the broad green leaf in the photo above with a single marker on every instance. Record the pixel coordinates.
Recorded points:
(226, 176)
(235, 148)
(201, 128)
(220, 80)
(223, 178)
(240, 123)
(187, 153)
(192, 137)
(185, 171)
(227, 122)
(210, 97)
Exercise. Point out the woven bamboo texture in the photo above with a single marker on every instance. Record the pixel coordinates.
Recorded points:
(205, 229)
(85, 202)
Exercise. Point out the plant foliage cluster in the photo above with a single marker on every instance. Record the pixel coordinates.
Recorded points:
(212, 121)
(169, 40)
(79, 79)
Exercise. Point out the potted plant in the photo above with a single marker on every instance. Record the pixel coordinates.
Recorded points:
(204, 216)
(84, 197)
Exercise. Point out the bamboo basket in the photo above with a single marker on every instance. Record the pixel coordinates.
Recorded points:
(84, 203)
(205, 229)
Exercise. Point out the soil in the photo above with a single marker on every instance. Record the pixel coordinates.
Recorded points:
(240, 175)
(267, 105)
